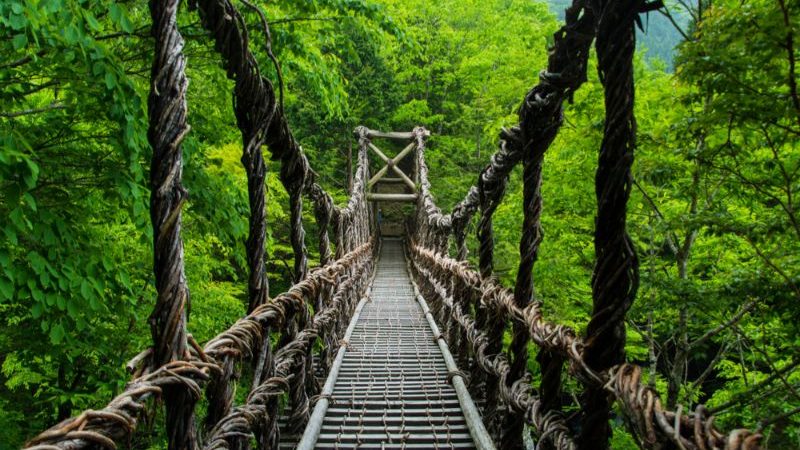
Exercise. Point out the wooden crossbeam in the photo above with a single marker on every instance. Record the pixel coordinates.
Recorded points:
(397, 135)
(392, 163)
(385, 197)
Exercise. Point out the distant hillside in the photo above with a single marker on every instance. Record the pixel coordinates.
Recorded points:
(660, 37)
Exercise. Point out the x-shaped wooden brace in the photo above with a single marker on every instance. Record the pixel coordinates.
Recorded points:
(392, 164)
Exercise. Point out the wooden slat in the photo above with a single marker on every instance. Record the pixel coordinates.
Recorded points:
(398, 135)
(380, 197)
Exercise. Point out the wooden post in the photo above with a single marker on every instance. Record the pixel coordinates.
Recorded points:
(350, 166)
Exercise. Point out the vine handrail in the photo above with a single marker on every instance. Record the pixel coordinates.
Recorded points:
(177, 368)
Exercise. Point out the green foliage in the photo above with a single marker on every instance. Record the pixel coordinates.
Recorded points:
(712, 213)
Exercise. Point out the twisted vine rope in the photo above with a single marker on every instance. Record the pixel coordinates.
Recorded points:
(119, 418)
(176, 369)
(482, 309)
(541, 116)
(615, 279)
(654, 426)
(167, 128)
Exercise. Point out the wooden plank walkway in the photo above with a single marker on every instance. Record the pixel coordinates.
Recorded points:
(391, 390)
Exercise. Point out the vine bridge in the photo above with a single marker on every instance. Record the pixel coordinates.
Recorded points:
(394, 341)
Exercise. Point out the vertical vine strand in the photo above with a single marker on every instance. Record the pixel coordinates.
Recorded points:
(490, 191)
(167, 111)
(253, 114)
(616, 277)
(523, 291)
(541, 117)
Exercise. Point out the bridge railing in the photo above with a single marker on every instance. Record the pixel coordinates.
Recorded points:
(475, 310)
(176, 369)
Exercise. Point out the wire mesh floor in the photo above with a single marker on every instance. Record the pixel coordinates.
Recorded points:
(392, 390)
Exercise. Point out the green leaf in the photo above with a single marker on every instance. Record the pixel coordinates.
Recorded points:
(36, 310)
(19, 41)
(111, 80)
(92, 21)
(55, 5)
(115, 11)
(97, 285)
(44, 278)
(11, 235)
(6, 289)
(126, 24)
(36, 261)
(124, 280)
(30, 201)
(37, 294)
(72, 309)
(57, 333)
(17, 21)
(63, 283)
(33, 175)
(86, 290)
(49, 236)
(18, 218)
(71, 35)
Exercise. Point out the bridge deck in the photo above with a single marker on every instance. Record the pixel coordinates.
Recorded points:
(392, 388)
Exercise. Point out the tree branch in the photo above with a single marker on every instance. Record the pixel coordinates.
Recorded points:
(666, 13)
(722, 327)
(26, 112)
(672, 238)
(307, 19)
(779, 417)
(773, 266)
(753, 389)
(696, 384)
(141, 32)
(790, 388)
(21, 61)
(270, 53)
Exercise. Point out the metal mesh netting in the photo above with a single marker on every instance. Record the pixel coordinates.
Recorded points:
(392, 390)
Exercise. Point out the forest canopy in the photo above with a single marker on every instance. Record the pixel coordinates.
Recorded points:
(713, 211)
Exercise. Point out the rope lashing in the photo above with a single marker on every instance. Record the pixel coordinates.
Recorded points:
(457, 373)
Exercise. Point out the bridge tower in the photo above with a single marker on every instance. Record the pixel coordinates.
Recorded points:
(393, 190)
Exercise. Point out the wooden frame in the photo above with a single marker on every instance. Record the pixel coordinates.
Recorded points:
(392, 164)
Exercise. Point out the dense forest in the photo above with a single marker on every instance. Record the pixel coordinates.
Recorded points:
(713, 212)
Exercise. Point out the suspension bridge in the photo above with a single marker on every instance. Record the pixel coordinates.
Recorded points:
(394, 341)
